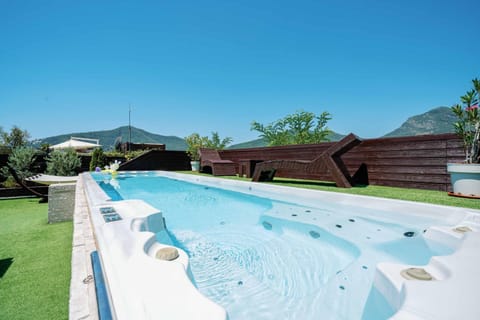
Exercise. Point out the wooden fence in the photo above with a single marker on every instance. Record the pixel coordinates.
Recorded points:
(411, 162)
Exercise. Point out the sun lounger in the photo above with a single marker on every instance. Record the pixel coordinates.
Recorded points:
(329, 161)
(21, 182)
(210, 160)
(50, 179)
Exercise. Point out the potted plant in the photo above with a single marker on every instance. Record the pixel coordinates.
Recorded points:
(465, 177)
(194, 143)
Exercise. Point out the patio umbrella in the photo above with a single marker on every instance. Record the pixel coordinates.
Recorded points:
(76, 144)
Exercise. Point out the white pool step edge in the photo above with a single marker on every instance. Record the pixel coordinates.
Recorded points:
(452, 295)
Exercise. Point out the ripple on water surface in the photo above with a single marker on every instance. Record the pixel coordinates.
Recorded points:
(278, 273)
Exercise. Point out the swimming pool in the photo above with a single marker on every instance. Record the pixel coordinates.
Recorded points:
(286, 254)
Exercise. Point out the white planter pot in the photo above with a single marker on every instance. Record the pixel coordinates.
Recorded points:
(195, 165)
(465, 178)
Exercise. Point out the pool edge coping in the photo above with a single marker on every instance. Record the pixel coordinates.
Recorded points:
(82, 299)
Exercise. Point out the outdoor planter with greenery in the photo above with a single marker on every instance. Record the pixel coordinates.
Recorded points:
(465, 176)
(195, 142)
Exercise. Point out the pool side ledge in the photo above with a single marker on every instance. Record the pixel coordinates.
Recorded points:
(139, 285)
(451, 294)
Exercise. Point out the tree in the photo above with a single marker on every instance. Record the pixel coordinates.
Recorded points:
(216, 143)
(16, 138)
(301, 127)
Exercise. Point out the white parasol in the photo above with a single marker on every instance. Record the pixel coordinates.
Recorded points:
(77, 144)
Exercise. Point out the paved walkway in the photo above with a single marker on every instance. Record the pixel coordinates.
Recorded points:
(82, 304)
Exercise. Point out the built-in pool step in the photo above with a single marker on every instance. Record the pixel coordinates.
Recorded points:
(152, 223)
(390, 278)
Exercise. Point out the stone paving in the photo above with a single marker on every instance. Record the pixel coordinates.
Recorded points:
(82, 304)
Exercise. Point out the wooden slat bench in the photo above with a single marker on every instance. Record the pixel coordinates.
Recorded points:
(329, 161)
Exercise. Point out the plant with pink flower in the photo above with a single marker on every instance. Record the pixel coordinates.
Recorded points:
(468, 124)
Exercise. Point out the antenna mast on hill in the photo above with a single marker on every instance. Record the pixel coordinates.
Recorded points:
(129, 127)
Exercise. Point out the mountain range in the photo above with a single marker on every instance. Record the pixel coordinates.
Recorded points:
(436, 121)
(108, 137)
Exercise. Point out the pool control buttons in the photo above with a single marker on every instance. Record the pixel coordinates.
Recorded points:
(106, 210)
(109, 214)
(111, 217)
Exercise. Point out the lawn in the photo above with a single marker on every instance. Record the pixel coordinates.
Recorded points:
(418, 195)
(34, 262)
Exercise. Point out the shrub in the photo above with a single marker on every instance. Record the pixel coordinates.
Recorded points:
(21, 160)
(129, 155)
(98, 159)
(468, 125)
(9, 183)
(63, 163)
(133, 154)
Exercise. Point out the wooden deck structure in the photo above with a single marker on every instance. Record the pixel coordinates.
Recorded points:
(329, 161)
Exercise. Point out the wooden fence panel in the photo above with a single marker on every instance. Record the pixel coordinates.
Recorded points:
(411, 162)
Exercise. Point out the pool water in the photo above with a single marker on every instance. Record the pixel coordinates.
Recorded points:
(266, 259)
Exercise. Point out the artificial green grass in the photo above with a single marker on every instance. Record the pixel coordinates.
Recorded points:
(34, 262)
(418, 195)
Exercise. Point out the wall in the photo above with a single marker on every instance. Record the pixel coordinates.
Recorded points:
(159, 160)
(61, 202)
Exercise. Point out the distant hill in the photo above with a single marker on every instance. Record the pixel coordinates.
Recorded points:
(262, 143)
(249, 144)
(108, 137)
(435, 121)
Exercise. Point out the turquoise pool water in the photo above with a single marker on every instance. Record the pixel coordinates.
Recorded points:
(266, 259)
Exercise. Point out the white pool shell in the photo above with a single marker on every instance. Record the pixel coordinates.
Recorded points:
(142, 287)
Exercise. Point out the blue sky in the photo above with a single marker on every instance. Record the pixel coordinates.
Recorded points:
(203, 66)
